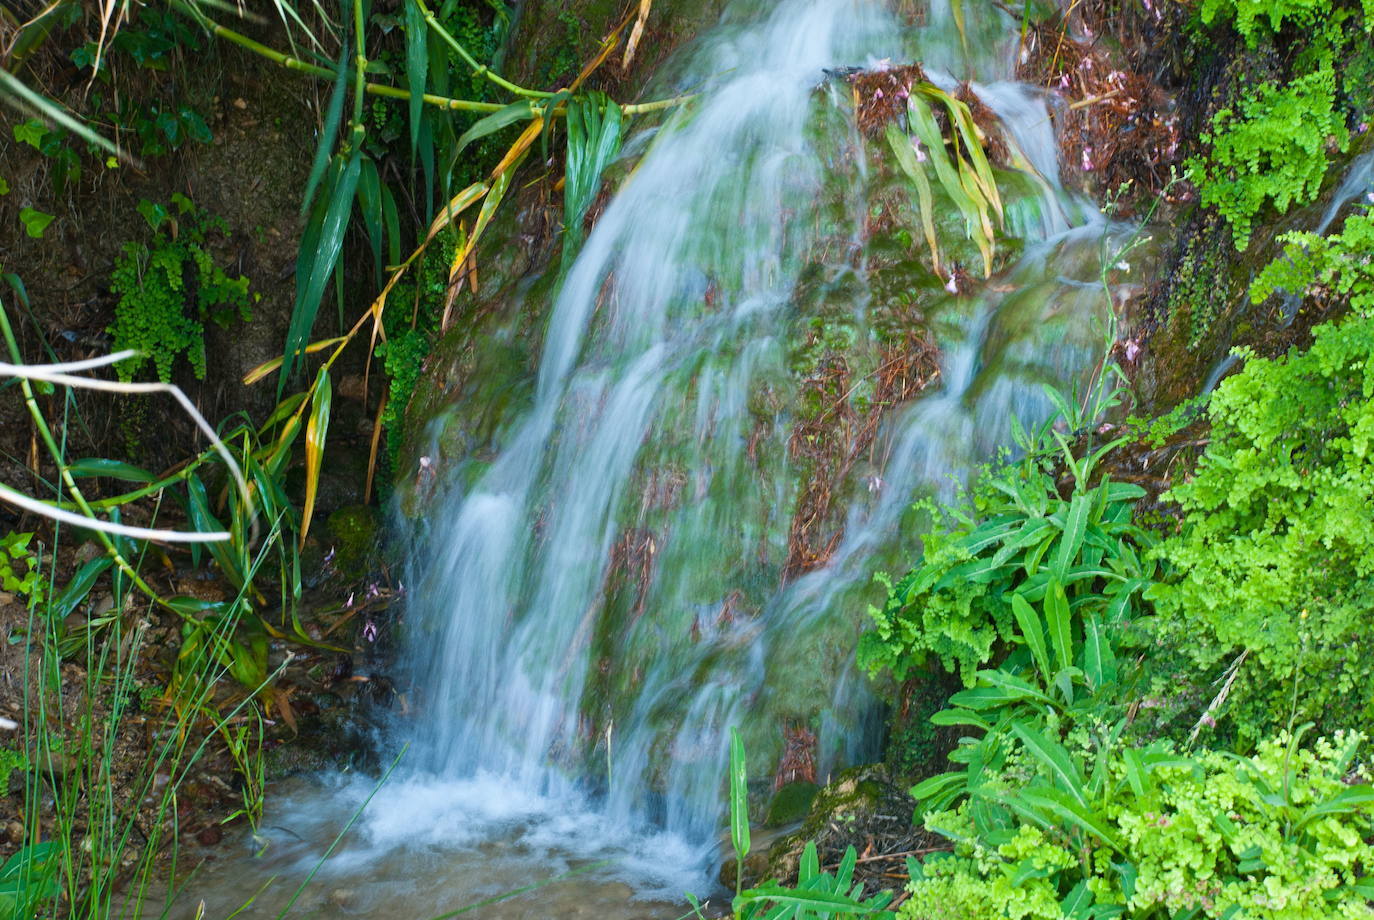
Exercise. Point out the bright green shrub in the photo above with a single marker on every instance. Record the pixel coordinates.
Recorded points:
(1342, 263)
(167, 290)
(1251, 16)
(1273, 151)
(1276, 555)
(1151, 834)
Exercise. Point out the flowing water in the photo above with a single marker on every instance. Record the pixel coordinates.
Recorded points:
(594, 608)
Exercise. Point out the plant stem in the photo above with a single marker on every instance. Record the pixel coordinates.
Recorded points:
(477, 69)
(46, 434)
(314, 70)
(395, 92)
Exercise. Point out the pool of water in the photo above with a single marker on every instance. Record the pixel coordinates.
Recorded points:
(487, 850)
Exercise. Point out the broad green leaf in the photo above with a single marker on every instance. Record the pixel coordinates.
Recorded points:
(80, 585)
(739, 797)
(1099, 661)
(810, 865)
(1043, 800)
(328, 134)
(1071, 542)
(34, 221)
(503, 118)
(319, 253)
(906, 158)
(100, 466)
(1033, 632)
(417, 67)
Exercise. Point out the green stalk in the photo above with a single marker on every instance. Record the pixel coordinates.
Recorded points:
(477, 69)
(314, 70)
(395, 92)
(46, 434)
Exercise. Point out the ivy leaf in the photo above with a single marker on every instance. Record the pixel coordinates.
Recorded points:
(32, 133)
(34, 221)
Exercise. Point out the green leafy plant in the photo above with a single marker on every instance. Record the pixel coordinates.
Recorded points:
(1013, 535)
(20, 572)
(11, 761)
(1256, 18)
(1342, 263)
(1146, 833)
(962, 172)
(818, 895)
(1272, 151)
(1275, 559)
(28, 879)
(169, 288)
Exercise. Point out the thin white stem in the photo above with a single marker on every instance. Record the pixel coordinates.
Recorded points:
(90, 523)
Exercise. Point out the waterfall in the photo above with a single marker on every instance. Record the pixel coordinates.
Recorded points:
(654, 429)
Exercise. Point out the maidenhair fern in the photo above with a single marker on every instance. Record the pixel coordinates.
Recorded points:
(168, 289)
(1343, 263)
(1272, 151)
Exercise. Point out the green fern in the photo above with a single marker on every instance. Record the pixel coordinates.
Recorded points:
(1273, 151)
(167, 290)
(1343, 262)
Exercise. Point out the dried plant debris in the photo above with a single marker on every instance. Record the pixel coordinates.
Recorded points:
(1116, 127)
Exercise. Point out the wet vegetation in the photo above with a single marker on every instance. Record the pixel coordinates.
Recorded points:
(277, 281)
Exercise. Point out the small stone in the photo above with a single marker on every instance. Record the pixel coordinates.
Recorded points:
(342, 897)
(14, 832)
(210, 836)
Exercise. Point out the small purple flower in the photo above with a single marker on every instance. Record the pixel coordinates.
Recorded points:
(370, 631)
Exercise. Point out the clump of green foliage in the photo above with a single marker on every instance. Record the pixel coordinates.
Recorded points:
(168, 288)
(1016, 536)
(1276, 554)
(1254, 19)
(10, 761)
(161, 116)
(19, 569)
(1272, 151)
(1151, 833)
(412, 327)
(1343, 263)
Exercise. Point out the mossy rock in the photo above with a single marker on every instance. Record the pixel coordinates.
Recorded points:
(353, 530)
(791, 803)
(848, 802)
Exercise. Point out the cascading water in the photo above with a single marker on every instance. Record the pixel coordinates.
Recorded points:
(594, 610)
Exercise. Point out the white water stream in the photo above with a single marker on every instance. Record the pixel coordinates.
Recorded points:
(558, 723)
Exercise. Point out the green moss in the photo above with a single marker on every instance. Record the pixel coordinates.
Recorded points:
(354, 532)
(791, 803)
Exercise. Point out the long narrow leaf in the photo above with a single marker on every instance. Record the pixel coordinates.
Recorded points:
(1061, 626)
(315, 432)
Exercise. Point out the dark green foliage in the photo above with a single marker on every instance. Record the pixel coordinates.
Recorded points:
(169, 288)
(1276, 555)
